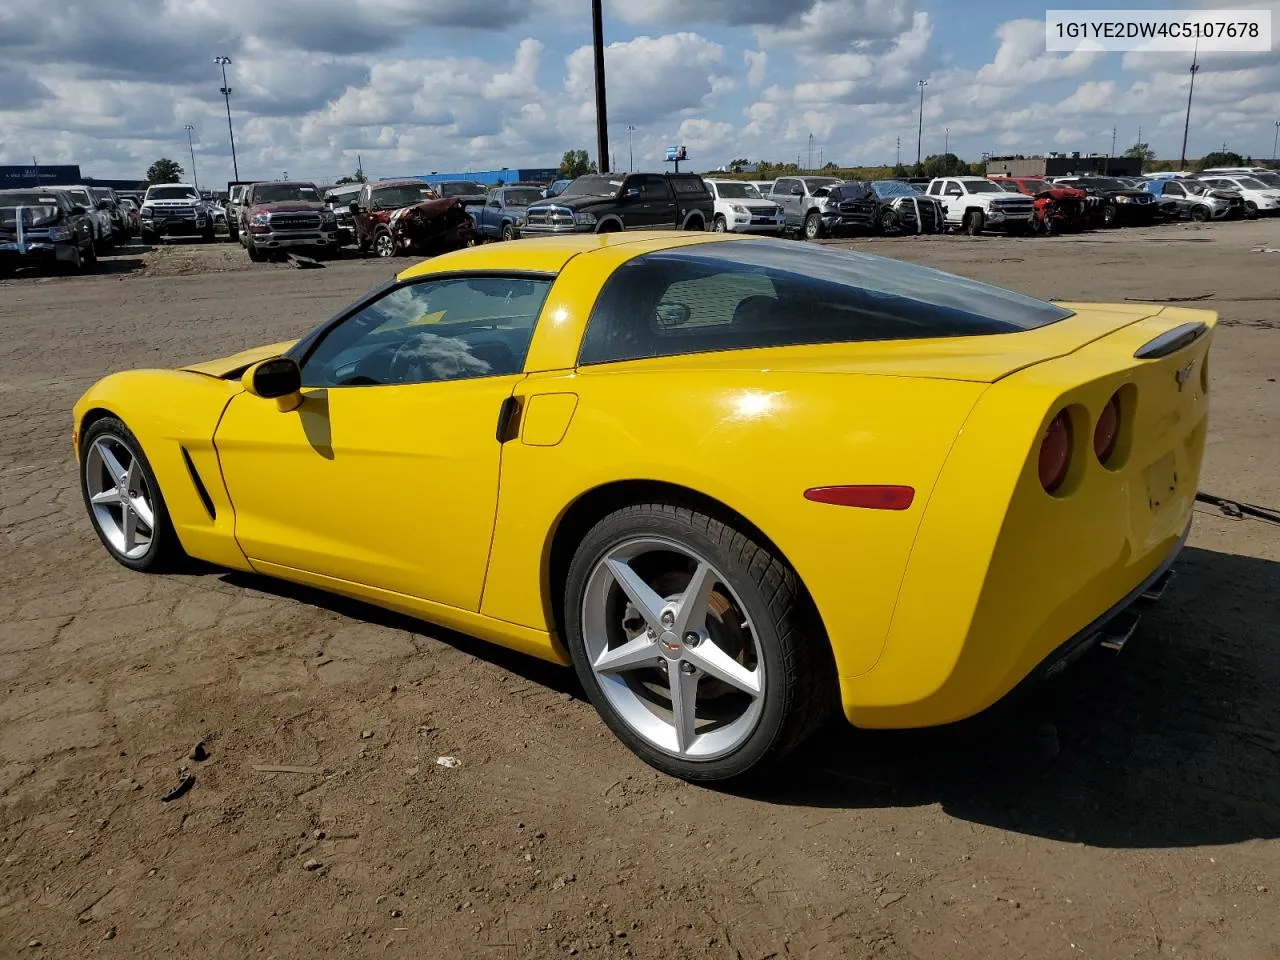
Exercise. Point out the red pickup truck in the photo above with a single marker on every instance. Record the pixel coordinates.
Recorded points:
(277, 216)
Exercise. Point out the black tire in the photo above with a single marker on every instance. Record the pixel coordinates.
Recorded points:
(383, 244)
(887, 220)
(74, 266)
(508, 231)
(1250, 210)
(695, 223)
(165, 551)
(233, 234)
(800, 690)
(1110, 214)
(209, 235)
(90, 254)
(973, 222)
(255, 255)
(1200, 214)
(146, 236)
(813, 226)
(719, 225)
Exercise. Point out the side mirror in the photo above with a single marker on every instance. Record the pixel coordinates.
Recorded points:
(278, 379)
(632, 193)
(797, 191)
(354, 207)
(80, 209)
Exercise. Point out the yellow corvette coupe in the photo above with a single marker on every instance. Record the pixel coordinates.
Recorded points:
(735, 482)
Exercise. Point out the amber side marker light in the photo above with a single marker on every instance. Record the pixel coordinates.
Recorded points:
(867, 496)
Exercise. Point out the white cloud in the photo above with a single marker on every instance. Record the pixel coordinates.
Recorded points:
(757, 62)
(1021, 58)
(649, 77)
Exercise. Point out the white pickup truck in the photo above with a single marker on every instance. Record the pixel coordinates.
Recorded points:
(974, 204)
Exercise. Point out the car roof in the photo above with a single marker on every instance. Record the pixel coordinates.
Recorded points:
(550, 254)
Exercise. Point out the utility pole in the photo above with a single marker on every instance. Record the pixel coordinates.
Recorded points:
(810, 167)
(1275, 142)
(602, 120)
(1186, 127)
(631, 153)
(899, 161)
(226, 95)
(946, 142)
(920, 130)
(195, 177)
(36, 163)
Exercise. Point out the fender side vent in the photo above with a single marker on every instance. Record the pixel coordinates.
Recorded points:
(199, 485)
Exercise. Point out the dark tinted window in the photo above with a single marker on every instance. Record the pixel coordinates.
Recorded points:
(652, 186)
(852, 190)
(689, 186)
(769, 293)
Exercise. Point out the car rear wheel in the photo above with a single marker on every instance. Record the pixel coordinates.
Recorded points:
(696, 643)
(123, 498)
(384, 244)
(1199, 214)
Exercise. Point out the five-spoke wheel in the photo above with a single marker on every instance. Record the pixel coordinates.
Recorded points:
(697, 645)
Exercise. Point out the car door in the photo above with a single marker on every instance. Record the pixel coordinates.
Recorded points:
(492, 214)
(1175, 196)
(655, 206)
(788, 194)
(386, 475)
(952, 199)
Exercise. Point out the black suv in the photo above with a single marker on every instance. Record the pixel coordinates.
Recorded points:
(44, 226)
(1118, 204)
(606, 203)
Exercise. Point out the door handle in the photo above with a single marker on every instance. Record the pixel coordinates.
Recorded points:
(508, 419)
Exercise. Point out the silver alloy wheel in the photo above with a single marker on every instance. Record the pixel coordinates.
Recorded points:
(384, 245)
(121, 501)
(673, 650)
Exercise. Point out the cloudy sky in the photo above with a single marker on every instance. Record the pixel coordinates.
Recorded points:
(415, 86)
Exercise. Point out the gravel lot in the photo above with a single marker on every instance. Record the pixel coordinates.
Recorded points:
(1131, 810)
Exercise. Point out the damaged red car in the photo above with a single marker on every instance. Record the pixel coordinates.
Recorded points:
(395, 217)
(1057, 207)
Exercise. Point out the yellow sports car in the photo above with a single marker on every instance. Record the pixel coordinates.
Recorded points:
(735, 482)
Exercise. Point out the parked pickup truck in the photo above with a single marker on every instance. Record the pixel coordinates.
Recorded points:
(499, 216)
(282, 215)
(42, 225)
(175, 210)
(975, 204)
(606, 203)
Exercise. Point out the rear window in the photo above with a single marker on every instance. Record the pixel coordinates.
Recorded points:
(769, 293)
(684, 186)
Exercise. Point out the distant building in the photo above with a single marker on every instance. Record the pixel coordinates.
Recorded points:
(491, 178)
(1064, 164)
(21, 175)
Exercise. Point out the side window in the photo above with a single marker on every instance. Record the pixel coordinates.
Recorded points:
(935, 188)
(953, 189)
(455, 329)
(654, 187)
(1174, 190)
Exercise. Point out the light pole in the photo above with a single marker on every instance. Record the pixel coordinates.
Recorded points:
(195, 177)
(1186, 127)
(920, 129)
(602, 123)
(631, 154)
(226, 95)
(1275, 142)
(946, 142)
(810, 167)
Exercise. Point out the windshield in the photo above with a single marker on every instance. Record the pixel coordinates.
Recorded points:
(285, 192)
(980, 186)
(462, 188)
(401, 195)
(733, 190)
(592, 187)
(522, 197)
(894, 188)
(172, 193)
(1038, 186)
(100, 194)
(1008, 186)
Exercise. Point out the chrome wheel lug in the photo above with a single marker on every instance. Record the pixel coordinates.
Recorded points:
(668, 618)
(692, 639)
(686, 667)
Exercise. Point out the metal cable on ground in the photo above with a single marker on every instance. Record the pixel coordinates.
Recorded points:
(1236, 510)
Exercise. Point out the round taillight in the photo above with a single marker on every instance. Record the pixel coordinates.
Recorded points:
(1055, 452)
(1107, 430)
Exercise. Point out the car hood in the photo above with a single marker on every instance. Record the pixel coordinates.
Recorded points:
(574, 203)
(290, 206)
(1061, 193)
(237, 362)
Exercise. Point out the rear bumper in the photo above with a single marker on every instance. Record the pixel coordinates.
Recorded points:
(36, 251)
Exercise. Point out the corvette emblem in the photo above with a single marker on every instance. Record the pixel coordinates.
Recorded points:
(1183, 375)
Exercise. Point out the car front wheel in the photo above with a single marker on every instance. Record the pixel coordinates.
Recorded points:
(697, 645)
(813, 226)
(384, 245)
(123, 498)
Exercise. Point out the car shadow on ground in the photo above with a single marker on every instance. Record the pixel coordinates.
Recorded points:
(1173, 742)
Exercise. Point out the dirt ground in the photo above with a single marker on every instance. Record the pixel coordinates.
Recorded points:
(1130, 810)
